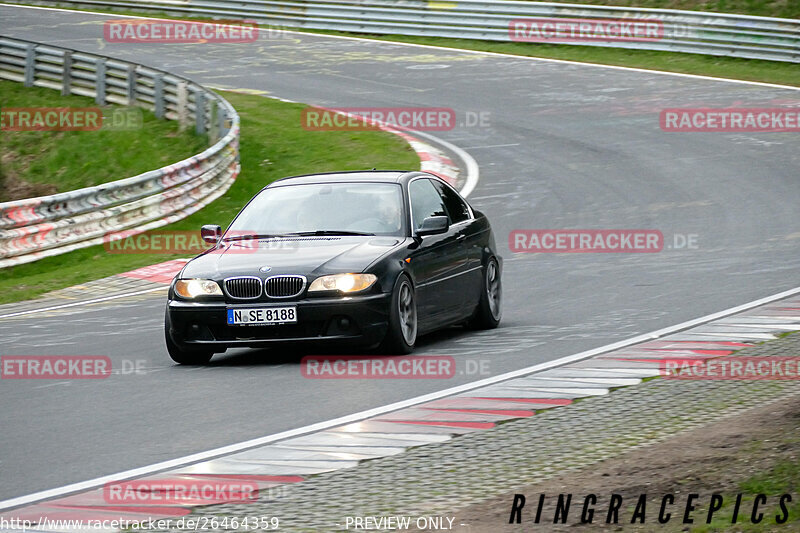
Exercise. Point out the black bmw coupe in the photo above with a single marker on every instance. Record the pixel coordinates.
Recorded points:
(371, 258)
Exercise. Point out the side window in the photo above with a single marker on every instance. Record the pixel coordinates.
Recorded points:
(425, 201)
(456, 207)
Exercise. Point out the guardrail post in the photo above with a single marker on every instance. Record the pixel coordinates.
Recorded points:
(158, 95)
(66, 74)
(30, 65)
(213, 124)
(100, 81)
(183, 104)
(222, 120)
(199, 111)
(131, 85)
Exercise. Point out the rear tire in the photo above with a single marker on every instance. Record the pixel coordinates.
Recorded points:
(402, 333)
(489, 311)
(181, 356)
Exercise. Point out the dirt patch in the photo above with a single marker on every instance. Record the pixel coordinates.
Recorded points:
(14, 188)
(739, 454)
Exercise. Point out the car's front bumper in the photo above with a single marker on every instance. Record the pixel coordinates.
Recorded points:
(199, 325)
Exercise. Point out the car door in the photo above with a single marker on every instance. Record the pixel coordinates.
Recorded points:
(462, 223)
(437, 260)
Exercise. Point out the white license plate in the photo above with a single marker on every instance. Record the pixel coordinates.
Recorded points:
(262, 315)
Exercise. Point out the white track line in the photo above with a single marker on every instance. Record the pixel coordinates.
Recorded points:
(448, 48)
(84, 302)
(233, 448)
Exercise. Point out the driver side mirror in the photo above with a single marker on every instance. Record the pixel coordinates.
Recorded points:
(433, 226)
(211, 233)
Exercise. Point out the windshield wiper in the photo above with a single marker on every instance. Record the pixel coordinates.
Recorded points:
(330, 232)
(255, 236)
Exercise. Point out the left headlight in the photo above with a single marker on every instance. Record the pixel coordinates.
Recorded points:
(343, 283)
(192, 288)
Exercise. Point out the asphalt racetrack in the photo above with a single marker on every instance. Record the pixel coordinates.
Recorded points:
(561, 146)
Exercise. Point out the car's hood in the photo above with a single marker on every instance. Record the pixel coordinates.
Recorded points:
(307, 256)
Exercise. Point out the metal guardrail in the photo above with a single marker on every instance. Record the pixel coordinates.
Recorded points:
(49, 225)
(683, 31)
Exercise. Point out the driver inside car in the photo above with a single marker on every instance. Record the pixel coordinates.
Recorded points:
(386, 220)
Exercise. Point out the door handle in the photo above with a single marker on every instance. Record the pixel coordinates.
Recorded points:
(461, 237)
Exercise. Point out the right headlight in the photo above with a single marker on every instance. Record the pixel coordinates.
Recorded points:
(345, 283)
(192, 288)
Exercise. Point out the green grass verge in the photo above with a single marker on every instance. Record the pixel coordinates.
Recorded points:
(273, 145)
(782, 478)
(35, 163)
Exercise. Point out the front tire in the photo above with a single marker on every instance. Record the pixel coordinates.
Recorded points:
(489, 311)
(402, 333)
(182, 356)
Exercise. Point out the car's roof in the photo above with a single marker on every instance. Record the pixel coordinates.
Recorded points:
(386, 176)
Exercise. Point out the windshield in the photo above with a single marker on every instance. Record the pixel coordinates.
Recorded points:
(324, 208)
